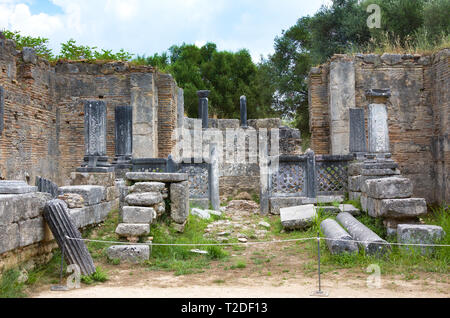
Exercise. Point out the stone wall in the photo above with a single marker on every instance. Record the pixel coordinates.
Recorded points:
(42, 114)
(240, 177)
(417, 111)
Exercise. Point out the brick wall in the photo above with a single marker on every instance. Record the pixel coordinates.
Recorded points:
(417, 111)
(43, 115)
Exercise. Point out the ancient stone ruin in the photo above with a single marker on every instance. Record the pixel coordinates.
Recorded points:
(106, 136)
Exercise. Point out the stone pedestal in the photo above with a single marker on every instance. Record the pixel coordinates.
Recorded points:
(358, 143)
(95, 159)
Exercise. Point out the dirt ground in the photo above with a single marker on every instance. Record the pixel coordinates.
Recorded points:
(271, 271)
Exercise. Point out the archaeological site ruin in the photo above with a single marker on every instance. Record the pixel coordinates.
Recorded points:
(80, 139)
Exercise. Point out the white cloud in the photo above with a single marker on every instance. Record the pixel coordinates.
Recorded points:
(150, 26)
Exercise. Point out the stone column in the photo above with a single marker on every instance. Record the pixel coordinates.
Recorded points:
(203, 107)
(95, 159)
(358, 143)
(341, 98)
(244, 112)
(214, 177)
(378, 123)
(123, 136)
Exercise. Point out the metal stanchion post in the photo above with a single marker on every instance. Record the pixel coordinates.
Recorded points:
(320, 292)
(60, 287)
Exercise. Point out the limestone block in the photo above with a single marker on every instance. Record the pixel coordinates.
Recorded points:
(9, 237)
(333, 231)
(31, 231)
(388, 188)
(419, 234)
(147, 187)
(91, 194)
(328, 209)
(17, 207)
(397, 208)
(15, 187)
(91, 178)
(179, 201)
(354, 169)
(298, 217)
(93, 214)
(129, 253)
(133, 230)
(147, 199)
(132, 214)
(156, 176)
(112, 193)
(29, 55)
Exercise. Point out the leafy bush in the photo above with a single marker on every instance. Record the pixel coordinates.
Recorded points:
(40, 45)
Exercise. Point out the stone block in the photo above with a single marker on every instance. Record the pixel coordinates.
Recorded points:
(133, 230)
(91, 194)
(133, 214)
(31, 231)
(147, 187)
(179, 202)
(397, 208)
(148, 199)
(17, 207)
(29, 55)
(9, 237)
(298, 217)
(202, 203)
(129, 253)
(112, 193)
(15, 187)
(388, 188)
(93, 214)
(156, 177)
(278, 203)
(380, 172)
(333, 231)
(419, 234)
(354, 169)
(91, 178)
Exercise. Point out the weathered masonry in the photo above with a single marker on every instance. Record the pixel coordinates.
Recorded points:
(42, 112)
(418, 112)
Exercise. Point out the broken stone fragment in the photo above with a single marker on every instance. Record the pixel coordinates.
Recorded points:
(129, 253)
(297, 217)
(91, 194)
(388, 188)
(73, 200)
(419, 234)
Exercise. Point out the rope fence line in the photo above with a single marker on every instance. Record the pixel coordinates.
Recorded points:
(257, 243)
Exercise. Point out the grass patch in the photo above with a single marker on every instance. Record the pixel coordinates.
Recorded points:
(180, 258)
(99, 276)
(240, 264)
(10, 287)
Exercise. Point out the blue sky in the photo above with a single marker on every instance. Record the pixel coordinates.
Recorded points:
(151, 26)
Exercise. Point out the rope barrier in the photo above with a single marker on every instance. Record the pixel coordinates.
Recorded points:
(257, 243)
